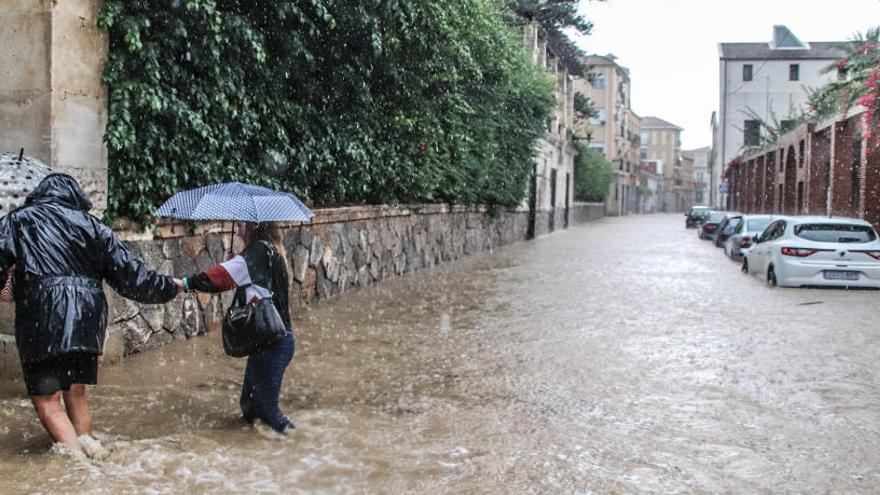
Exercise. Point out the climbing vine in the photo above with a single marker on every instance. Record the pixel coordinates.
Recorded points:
(375, 101)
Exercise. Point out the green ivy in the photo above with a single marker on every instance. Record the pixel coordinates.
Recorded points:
(340, 102)
(593, 174)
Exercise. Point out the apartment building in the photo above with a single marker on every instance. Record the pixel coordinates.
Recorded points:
(661, 143)
(614, 131)
(552, 189)
(769, 82)
(700, 158)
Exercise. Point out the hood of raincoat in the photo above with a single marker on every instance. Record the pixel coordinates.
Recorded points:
(62, 254)
(61, 189)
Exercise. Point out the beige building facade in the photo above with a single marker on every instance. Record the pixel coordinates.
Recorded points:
(552, 189)
(701, 173)
(615, 131)
(661, 143)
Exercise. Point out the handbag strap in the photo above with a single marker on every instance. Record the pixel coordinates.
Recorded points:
(242, 289)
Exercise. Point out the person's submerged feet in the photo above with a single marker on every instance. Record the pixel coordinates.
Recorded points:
(287, 428)
(92, 448)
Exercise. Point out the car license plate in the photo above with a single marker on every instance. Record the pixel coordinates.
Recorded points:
(841, 275)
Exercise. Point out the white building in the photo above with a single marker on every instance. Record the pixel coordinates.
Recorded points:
(768, 82)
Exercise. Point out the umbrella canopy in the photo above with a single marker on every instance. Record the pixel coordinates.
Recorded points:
(19, 175)
(237, 202)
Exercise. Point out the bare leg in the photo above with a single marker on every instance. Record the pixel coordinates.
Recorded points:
(55, 419)
(77, 405)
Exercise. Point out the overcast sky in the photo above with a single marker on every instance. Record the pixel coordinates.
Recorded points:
(671, 46)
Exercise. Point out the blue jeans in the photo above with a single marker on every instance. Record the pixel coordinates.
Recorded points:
(262, 383)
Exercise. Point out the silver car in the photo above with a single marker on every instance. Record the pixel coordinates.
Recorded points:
(744, 235)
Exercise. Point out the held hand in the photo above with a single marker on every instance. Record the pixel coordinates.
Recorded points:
(180, 287)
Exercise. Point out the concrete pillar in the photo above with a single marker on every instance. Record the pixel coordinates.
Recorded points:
(52, 102)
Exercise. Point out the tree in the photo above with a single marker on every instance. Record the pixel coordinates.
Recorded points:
(593, 175)
(552, 15)
(583, 106)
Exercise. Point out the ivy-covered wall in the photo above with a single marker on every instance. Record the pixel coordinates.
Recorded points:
(356, 101)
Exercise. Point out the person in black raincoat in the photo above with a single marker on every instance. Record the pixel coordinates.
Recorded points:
(61, 255)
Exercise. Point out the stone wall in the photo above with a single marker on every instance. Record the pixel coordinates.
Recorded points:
(586, 212)
(342, 249)
(52, 102)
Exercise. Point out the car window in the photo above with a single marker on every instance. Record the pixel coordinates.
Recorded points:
(757, 224)
(828, 232)
(730, 225)
(773, 231)
(717, 216)
(699, 212)
(740, 227)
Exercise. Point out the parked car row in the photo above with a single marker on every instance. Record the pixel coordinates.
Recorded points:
(798, 251)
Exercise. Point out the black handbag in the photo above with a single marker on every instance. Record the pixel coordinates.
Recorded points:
(250, 327)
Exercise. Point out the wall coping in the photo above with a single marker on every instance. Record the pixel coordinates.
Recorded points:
(167, 229)
(793, 136)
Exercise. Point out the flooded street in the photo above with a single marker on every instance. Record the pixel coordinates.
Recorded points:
(622, 356)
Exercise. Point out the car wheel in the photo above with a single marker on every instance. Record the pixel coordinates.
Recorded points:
(745, 267)
(771, 276)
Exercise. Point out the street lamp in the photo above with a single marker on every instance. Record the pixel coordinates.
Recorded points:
(588, 138)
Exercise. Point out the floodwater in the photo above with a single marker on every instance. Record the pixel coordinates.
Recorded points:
(623, 356)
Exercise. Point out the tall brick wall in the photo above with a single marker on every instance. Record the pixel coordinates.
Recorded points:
(813, 170)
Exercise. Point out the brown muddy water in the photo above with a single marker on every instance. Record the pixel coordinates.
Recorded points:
(619, 357)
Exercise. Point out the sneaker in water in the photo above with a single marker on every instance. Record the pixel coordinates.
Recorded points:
(288, 428)
(92, 448)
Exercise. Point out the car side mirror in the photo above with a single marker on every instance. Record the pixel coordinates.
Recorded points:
(757, 239)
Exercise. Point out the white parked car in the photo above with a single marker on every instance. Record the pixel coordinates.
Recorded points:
(816, 251)
(748, 228)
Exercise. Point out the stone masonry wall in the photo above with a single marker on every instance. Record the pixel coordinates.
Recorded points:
(342, 249)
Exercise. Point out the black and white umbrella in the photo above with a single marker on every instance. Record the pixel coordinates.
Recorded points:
(236, 202)
(19, 175)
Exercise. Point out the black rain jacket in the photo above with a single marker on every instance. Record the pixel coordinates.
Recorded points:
(61, 255)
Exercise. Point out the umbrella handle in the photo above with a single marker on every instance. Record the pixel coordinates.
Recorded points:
(231, 242)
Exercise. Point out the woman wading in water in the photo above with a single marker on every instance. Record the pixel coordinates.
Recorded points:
(260, 271)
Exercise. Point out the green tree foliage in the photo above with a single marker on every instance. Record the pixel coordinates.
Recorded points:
(552, 15)
(584, 107)
(376, 101)
(593, 175)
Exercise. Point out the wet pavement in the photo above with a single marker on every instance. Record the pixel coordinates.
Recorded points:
(622, 356)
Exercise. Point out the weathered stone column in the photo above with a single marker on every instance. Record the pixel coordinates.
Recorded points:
(52, 102)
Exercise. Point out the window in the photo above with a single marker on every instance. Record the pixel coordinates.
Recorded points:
(747, 72)
(787, 125)
(841, 73)
(598, 81)
(600, 147)
(643, 154)
(835, 232)
(644, 138)
(794, 72)
(600, 117)
(752, 133)
(758, 224)
(774, 231)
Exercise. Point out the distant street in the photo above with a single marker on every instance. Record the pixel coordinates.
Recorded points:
(622, 356)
